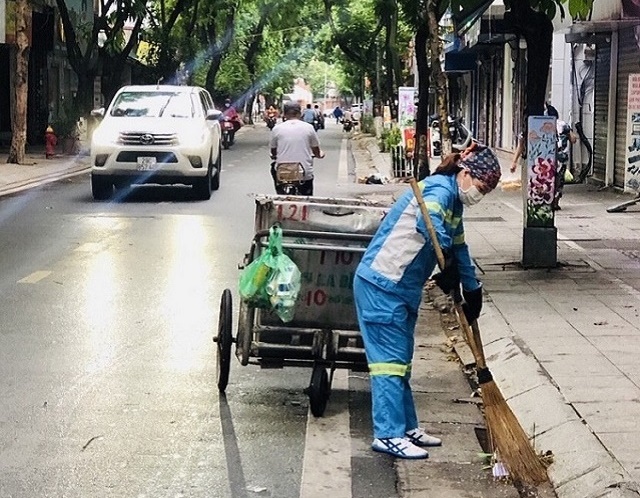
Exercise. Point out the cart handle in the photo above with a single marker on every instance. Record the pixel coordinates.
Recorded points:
(337, 213)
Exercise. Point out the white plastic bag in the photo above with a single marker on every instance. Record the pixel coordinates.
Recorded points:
(283, 288)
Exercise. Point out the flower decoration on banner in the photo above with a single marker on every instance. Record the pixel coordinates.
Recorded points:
(541, 171)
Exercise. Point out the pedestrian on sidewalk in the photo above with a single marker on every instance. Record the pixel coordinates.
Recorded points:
(388, 289)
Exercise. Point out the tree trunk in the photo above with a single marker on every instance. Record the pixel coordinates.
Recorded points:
(439, 77)
(20, 84)
(422, 116)
(537, 30)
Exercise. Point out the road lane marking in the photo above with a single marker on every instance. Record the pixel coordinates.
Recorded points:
(326, 467)
(35, 277)
(343, 167)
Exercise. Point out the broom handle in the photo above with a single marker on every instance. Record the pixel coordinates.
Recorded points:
(427, 220)
(473, 341)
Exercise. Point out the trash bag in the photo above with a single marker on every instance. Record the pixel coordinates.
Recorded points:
(568, 177)
(255, 277)
(273, 280)
(283, 288)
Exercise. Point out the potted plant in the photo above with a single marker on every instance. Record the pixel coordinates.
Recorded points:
(66, 128)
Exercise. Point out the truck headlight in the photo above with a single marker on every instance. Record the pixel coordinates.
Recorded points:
(192, 138)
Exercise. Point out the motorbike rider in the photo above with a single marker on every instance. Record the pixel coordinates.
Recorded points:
(271, 116)
(231, 113)
(309, 115)
(294, 140)
(272, 112)
(347, 120)
(319, 116)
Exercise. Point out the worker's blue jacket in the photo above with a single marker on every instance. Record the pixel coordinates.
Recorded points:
(400, 258)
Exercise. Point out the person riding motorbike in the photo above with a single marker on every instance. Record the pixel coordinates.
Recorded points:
(319, 116)
(309, 116)
(295, 141)
(271, 116)
(347, 120)
(229, 113)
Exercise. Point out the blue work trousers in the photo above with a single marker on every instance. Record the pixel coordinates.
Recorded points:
(387, 325)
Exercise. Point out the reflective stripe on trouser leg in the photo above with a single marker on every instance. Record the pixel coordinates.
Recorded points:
(387, 327)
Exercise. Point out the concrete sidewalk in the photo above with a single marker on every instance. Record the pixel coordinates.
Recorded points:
(563, 344)
(38, 170)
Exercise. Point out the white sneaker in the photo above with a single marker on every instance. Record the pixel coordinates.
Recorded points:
(419, 437)
(399, 447)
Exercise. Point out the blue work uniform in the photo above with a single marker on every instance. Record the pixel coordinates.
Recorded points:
(388, 288)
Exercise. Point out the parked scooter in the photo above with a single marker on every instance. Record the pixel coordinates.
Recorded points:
(347, 125)
(461, 136)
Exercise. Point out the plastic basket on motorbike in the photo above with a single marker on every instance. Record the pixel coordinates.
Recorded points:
(289, 172)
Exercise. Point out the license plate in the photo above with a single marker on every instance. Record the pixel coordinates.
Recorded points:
(146, 163)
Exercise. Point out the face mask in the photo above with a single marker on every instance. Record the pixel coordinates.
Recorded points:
(227, 105)
(470, 196)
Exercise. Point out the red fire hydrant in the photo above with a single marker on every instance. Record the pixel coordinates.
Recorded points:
(50, 142)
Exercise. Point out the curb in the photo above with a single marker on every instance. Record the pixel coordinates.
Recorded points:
(582, 467)
(27, 183)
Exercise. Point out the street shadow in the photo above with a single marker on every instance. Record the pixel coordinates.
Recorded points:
(235, 473)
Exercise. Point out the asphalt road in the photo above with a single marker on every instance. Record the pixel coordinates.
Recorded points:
(107, 367)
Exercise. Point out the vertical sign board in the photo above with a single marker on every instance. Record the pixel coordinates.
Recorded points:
(541, 171)
(632, 163)
(3, 20)
(407, 117)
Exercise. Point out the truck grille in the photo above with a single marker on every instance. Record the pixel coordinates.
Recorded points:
(138, 138)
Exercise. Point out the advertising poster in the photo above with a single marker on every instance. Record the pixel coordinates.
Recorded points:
(406, 107)
(632, 163)
(407, 117)
(409, 140)
(541, 171)
(367, 107)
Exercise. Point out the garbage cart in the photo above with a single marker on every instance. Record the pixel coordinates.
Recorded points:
(326, 238)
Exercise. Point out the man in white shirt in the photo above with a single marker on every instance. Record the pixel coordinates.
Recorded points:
(294, 141)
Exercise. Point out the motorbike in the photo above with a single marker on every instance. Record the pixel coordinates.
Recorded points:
(347, 125)
(288, 177)
(228, 132)
(271, 122)
(461, 136)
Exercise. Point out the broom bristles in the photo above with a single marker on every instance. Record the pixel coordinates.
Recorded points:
(512, 443)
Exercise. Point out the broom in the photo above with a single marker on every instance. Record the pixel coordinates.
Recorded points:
(511, 442)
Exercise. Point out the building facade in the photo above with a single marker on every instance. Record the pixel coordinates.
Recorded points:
(593, 63)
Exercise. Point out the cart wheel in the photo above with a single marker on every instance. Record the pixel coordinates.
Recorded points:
(245, 334)
(224, 340)
(319, 390)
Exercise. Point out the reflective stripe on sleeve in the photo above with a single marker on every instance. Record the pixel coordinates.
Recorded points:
(436, 208)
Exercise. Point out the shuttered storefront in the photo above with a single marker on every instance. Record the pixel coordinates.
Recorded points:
(628, 63)
(490, 97)
(601, 98)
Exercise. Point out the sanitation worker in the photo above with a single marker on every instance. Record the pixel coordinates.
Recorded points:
(388, 288)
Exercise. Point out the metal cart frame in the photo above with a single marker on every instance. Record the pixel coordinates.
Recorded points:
(326, 234)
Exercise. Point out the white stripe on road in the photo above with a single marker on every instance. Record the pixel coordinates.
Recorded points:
(35, 277)
(326, 468)
(343, 168)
